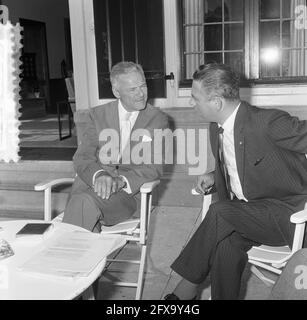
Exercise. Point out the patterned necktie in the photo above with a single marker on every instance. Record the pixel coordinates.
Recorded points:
(222, 160)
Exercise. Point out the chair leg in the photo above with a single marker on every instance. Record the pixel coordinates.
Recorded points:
(140, 282)
(261, 276)
(59, 119)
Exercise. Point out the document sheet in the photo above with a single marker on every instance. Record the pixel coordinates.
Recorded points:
(74, 254)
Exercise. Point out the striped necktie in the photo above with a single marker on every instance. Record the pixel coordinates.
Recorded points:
(222, 161)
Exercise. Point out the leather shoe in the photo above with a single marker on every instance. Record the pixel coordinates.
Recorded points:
(172, 296)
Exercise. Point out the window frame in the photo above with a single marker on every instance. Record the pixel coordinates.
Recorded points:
(86, 85)
(251, 49)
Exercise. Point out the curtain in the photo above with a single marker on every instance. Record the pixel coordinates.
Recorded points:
(194, 35)
(298, 39)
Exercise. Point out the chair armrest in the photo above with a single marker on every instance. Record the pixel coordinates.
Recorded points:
(51, 183)
(147, 187)
(299, 217)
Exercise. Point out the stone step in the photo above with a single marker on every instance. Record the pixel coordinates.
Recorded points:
(14, 214)
(26, 173)
(30, 200)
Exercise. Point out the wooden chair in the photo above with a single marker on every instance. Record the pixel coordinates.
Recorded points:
(135, 230)
(70, 108)
(270, 258)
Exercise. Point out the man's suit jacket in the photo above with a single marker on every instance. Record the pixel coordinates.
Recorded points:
(87, 160)
(270, 148)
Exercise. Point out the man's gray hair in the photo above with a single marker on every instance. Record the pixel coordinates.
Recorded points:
(218, 79)
(124, 67)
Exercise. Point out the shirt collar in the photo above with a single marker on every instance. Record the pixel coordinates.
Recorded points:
(230, 121)
(122, 112)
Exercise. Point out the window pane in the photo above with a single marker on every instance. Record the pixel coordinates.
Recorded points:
(194, 39)
(286, 34)
(193, 11)
(103, 46)
(213, 11)
(213, 37)
(234, 39)
(297, 37)
(192, 64)
(115, 34)
(269, 34)
(194, 47)
(235, 60)
(233, 10)
(297, 63)
(286, 12)
(285, 63)
(128, 31)
(150, 44)
(269, 70)
(213, 57)
(269, 9)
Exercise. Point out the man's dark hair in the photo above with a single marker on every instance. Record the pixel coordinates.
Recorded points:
(218, 80)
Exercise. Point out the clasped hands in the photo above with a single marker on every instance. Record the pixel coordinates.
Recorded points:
(105, 185)
(204, 183)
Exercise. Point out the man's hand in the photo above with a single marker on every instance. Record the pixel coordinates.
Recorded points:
(204, 182)
(105, 185)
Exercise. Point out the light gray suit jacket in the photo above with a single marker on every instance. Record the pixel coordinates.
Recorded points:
(87, 160)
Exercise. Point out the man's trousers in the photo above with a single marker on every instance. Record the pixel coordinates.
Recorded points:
(221, 242)
(85, 209)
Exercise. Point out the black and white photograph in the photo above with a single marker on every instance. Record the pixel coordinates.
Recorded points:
(153, 150)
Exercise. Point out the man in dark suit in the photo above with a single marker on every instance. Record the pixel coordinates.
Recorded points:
(106, 189)
(261, 179)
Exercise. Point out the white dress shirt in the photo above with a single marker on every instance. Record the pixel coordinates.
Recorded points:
(126, 122)
(230, 155)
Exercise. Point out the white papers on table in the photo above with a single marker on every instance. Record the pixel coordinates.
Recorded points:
(74, 254)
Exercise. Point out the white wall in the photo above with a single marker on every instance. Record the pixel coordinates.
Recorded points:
(52, 12)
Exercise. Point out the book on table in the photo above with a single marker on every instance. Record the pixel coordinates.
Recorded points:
(34, 230)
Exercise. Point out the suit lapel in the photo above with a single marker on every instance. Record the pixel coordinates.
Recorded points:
(142, 119)
(113, 117)
(239, 141)
(141, 122)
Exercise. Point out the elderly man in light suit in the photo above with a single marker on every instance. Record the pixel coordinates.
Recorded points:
(107, 193)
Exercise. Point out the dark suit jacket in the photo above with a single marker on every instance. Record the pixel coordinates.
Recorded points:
(270, 148)
(87, 161)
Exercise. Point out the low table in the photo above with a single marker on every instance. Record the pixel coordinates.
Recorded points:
(22, 286)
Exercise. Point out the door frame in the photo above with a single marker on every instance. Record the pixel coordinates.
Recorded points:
(24, 22)
(85, 61)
